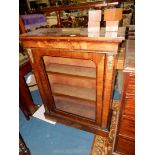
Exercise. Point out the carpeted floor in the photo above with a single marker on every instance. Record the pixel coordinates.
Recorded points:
(43, 138)
(103, 145)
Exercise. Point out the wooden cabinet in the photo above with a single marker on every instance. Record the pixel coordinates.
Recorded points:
(125, 146)
(125, 137)
(75, 75)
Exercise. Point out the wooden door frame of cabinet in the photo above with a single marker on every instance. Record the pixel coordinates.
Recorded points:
(41, 77)
(98, 59)
(60, 46)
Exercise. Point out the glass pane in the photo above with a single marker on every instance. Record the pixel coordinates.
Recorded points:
(73, 85)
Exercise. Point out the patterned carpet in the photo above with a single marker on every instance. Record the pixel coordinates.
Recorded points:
(103, 145)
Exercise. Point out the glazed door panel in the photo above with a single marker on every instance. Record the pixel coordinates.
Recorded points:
(71, 83)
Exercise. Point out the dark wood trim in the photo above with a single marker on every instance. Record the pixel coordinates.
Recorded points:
(58, 9)
(23, 147)
(40, 69)
(102, 51)
(125, 135)
(121, 115)
(68, 39)
(100, 61)
(98, 5)
(21, 26)
(110, 64)
(25, 99)
(77, 124)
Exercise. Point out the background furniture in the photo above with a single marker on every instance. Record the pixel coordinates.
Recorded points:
(125, 137)
(83, 6)
(25, 99)
(26, 103)
(33, 21)
(22, 146)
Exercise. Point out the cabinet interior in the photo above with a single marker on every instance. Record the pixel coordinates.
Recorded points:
(73, 85)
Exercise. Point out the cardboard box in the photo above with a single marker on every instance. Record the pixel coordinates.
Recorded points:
(112, 25)
(94, 34)
(109, 34)
(95, 15)
(93, 24)
(114, 14)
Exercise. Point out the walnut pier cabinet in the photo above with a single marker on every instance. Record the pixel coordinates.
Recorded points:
(75, 75)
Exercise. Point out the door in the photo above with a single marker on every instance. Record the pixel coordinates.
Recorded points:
(71, 83)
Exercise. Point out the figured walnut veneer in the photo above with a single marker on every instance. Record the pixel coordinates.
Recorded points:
(99, 56)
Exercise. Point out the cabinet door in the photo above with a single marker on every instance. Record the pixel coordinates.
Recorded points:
(72, 83)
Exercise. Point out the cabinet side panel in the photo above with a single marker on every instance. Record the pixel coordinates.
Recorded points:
(108, 87)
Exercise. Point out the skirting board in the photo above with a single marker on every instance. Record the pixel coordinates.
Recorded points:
(40, 115)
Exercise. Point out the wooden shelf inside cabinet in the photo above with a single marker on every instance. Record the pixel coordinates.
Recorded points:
(79, 107)
(71, 70)
(75, 92)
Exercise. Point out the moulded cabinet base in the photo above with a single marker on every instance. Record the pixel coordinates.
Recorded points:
(69, 121)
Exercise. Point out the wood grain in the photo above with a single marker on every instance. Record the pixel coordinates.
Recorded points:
(120, 60)
(114, 14)
(67, 61)
(77, 92)
(125, 136)
(125, 146)
(127, 127)
(100, 60)
(71, 70)
(25, 99)
(100, 52)
(72, 80)
(21, 26)
(73, 45)
(78, 107)
(108, 88)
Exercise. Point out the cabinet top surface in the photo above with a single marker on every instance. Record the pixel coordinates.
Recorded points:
(70, 33)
